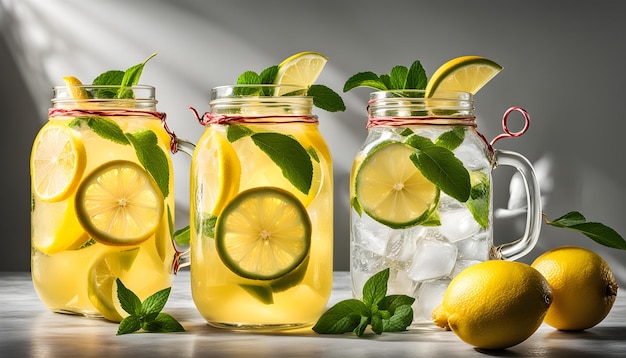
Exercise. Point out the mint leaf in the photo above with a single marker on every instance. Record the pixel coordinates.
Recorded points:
(375, 288)
(103, 127)
(398, 77)
(598, 232)
(128, 325)
(128, 300)
(152, 157)
(131, 78)
(416, 78)
(478, 202)
(401, 317)
(156, 301)
(377, 323)
(182, 236)
(326, 99)
(248, 78)
(343, 317)
(145, 315)
(237, 131)
(364, 79)
(290, 156)
(441, 167)
(451, 139)
(109, 78)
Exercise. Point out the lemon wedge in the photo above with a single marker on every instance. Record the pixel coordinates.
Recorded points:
(264, 233)
(119, 204)
(390, 188)
(301, 69)
(57, 163)
(75, 87)
(465, 73)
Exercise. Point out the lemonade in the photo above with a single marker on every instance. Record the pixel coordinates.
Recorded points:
(98, 213)
(261, 211)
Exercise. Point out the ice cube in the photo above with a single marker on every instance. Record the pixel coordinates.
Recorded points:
(400, 283)
(429, 296)
(458, 224)
(472, 155)
(370, 234)
(402, 243)
(432, 259)
(474, 248)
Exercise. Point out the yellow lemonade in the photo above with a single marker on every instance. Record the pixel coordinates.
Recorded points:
(97, 212)
(261, 230)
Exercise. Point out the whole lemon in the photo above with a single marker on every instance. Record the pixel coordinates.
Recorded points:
(583, 286)
(494, 304)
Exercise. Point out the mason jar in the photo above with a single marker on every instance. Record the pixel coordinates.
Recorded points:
(261, 210)
(421, 196)
(102, 200)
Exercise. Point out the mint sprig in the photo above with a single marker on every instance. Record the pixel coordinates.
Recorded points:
(399, 78)
(596, 231)
(145, 315)
(124, 79)
(382, 313)
(323, 96)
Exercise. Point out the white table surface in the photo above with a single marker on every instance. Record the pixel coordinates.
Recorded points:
(28, 329)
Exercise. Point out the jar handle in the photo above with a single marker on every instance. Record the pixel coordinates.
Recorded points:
(516, 249)
(183, 258)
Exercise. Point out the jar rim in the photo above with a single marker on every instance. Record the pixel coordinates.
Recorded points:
(421, 94)
(257, 91)
(141, 93)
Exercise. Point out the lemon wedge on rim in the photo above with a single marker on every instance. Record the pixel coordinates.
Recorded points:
(465, 73)
(301, 69)
(75, 87)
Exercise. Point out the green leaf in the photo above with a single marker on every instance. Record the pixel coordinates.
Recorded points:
(131, 78)
(128, 300)
(103, 127)
(441, 167)
(598, 232)
(375, 288)
(360, 328)
(152, 157)
(400, 319)
(364, 79)
(406, 132)
(377, 323)
(237, 131)
(182, 236)
(398, 77)
(128, 325)
(326, 99)
(108, 78)
(268, 75)
(392, 302)
(478, 202)
(451, 139)
(156, 301)
(416, 78)
(386, 80)
(164, 323)
(343, 317)
(290, 156)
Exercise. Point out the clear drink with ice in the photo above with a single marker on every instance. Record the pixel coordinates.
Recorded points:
(421, 196)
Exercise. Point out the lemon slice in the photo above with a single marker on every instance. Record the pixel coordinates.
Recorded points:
(57, 227)
(119, 204)
(301, 69)
(75, 87)
(57, 163)
(466, 73)
(218, 165)
(391, 190)
(263, 234)
(101, 285)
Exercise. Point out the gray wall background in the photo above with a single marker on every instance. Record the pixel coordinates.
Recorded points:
(563, 62)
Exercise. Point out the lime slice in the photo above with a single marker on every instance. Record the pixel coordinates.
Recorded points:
(263, 234)
(75, 87)
(119, 204)
(391, 190)
(301, 69)
(101, 286)
(466, 73)
(218, 165)
(57, 162)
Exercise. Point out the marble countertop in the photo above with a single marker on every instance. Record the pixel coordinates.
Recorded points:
(28, 329)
